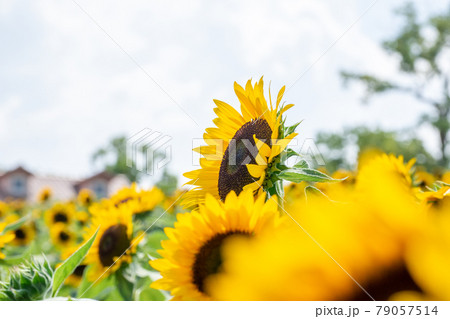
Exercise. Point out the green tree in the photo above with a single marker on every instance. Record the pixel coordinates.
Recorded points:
(336, 148)
(113, 158)
(168, 183)
(421, 47)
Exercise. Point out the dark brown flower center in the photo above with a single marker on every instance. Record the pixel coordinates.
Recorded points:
(123, 201)
(60, 217)
(389, 281)
(113, 243)
(78, 272)
(233, 174)
(20, 234)
(208, 260)
(63, 236)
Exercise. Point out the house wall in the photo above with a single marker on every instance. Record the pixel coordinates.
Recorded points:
(15, 185)
(116, 183)
(98, 185)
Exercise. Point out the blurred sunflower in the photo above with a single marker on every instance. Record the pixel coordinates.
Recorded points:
(137, 201)
(302, 260)
(243, 148)
(60, 213)
(385, 185)
(45, 194)
(114, 244)
(62, 236)
(125, 195)
(4, 238)
(23, 235)
(85, 197)
(193, 252)
(149, 199)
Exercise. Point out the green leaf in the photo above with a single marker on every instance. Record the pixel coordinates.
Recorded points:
(99, 291)
(289, 152)
(291, 129)
(312, 190)
(301, 164)
(31, 280)
(16, 225)
(69, 265)
(150, 294)
(297, 175)
(124, 284)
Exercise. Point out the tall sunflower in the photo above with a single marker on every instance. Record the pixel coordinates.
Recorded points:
(193, 253)
(114, 244)
(243, 148)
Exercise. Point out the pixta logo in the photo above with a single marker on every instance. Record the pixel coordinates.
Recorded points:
(148, 151)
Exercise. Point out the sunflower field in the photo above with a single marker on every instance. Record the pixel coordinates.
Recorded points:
(247, 225)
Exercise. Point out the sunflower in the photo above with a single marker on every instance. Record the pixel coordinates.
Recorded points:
(394, 168)
(125, 195)
(86, 197)
(192, 254)
(302, 260)
(387, 179)
(114, 244)
(243, 149)
(24, 234)
(45, 194)
(60, 213)
(62, 236)
(4, 238)
(137, 201)
(149, 199)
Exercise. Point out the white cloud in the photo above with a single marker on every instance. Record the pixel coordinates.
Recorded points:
(74, 88)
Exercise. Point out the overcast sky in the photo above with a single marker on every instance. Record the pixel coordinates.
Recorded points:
(75, 74)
